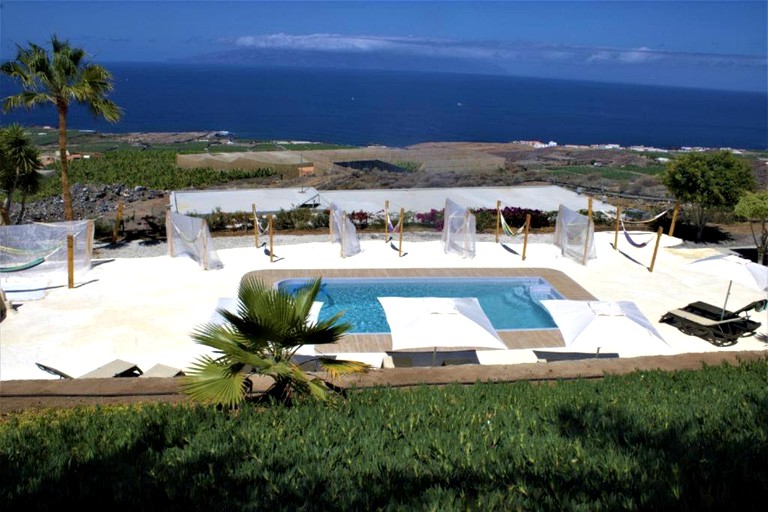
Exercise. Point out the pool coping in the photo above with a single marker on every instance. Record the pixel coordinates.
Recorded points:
(377, 343)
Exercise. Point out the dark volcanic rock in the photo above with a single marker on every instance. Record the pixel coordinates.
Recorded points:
(88, 202)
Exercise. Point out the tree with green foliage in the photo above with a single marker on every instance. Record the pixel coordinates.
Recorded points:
(19, 160)
(708, 181)
(262, 338)
(60, 78)
(754, 207)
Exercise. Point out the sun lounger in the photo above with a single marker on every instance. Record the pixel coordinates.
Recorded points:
(550, 356)
(53, 371)
(703, 320)
(116, 368)
(718, 313)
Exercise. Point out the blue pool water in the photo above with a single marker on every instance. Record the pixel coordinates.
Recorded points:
(510, 303)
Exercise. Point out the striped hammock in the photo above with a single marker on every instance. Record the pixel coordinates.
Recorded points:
(508, 230)
(612, 215)
(262, 229)
(390, 227)
(23, 266)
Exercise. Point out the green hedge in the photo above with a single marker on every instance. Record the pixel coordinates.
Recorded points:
(692, 440)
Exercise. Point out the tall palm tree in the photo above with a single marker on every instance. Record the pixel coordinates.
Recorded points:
(59, 78)
(262, 338)
(19, 160)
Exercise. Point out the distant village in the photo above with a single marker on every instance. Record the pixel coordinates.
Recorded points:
(538, 144)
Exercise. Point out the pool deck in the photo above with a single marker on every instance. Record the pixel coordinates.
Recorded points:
(362, 343)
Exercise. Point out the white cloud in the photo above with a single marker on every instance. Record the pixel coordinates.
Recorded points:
(492, 51)
(318, 42)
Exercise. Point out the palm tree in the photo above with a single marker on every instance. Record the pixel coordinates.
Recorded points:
(262, 338)
(59, 78)
(19, 160)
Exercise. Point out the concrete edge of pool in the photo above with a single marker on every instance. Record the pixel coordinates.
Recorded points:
(369, 343)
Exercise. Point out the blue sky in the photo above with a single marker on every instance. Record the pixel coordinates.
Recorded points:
(716, 45)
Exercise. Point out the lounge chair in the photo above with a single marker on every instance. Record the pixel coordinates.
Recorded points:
(550, 356)
(718, 313)
(711, 323)
(53, 371)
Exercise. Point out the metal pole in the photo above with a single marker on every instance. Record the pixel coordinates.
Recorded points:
(616, 234)
(725, 304)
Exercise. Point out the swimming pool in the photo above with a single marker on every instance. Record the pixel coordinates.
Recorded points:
(510, 303)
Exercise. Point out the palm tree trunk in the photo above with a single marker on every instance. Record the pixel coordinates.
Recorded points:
(22, 207)
(5, 210)
(65, 192)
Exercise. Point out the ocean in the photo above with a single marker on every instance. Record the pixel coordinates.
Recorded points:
(397, 109)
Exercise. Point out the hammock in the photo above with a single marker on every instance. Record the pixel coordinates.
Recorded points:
(648, 221)
(45, 252)
(390, 227)
(639, 245)
(262, 229)
(508, 231)
(23, 266)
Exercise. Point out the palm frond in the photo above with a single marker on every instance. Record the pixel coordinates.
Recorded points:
(318, 390)
(338, 367)
(209, 381)
(306, 296)
(25, 99)
(228, 344)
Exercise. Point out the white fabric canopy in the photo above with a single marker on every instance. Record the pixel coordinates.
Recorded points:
(730, 267)
(435, 322)
(605, 325)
